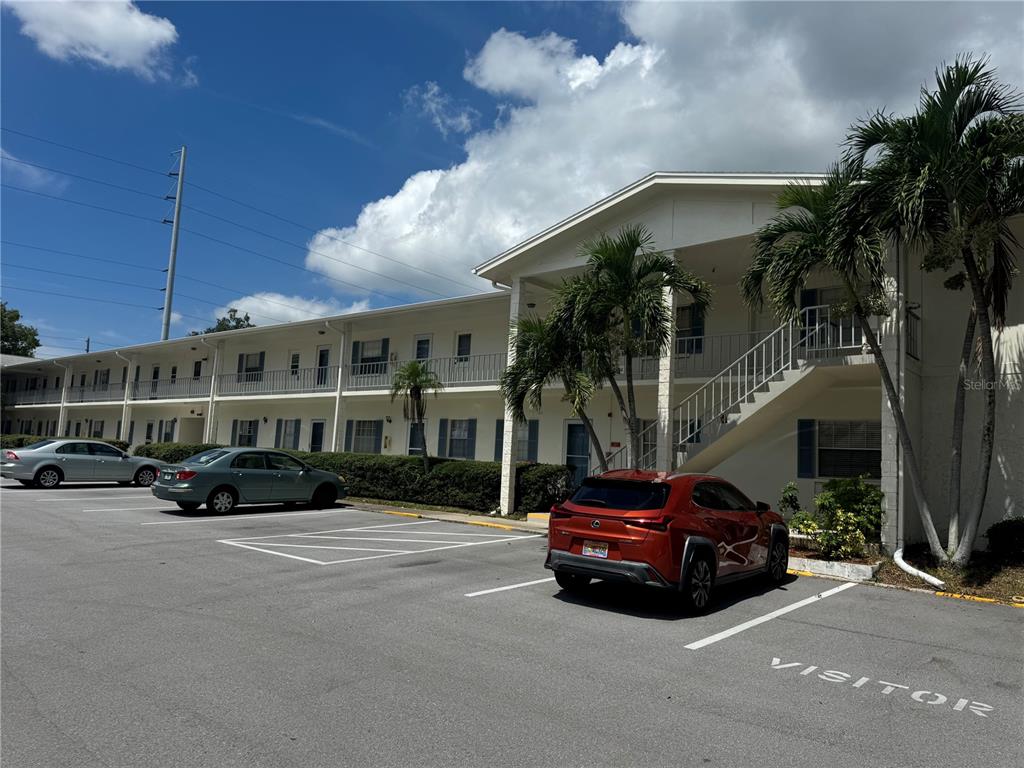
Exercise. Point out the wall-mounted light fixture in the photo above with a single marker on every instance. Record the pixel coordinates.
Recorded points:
(264, 419)
(530, 305)
(321, 333)
(387, 419)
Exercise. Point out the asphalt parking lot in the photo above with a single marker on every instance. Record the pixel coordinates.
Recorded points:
(137, 635)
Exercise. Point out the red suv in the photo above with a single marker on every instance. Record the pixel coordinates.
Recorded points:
(686, 532)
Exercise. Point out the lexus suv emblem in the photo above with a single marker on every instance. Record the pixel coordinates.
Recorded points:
(596, 524)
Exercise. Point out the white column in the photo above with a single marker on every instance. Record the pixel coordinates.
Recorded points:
(210, 425)
(665, 457)
(508, 435)
(69, 374)
(336, 434)
(126, 411)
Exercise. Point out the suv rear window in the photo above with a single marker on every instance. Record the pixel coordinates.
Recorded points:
(620, 494)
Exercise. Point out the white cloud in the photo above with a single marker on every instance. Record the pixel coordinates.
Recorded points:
(704, 87)
(441, 109)
(30, 176)
(108, 34)
(268, 308)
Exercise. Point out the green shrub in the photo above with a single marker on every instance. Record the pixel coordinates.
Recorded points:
(789, 500)
(1006, 540)
(541, 485)
(840, 536)
(805, 523)
(173, 453)
(862, 500)
(20, 441)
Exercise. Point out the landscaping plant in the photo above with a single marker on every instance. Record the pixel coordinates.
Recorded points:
(840, 537)
(861, 499)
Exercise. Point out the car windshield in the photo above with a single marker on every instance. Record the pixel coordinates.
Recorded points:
(40, 444)
(620, 494)
(206, 457)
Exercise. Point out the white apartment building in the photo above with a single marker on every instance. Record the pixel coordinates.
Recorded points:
(737, 394)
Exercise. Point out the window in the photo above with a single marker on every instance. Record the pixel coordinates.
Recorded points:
(245, 432)
(286, 435)
(621, 494)
(174, 372)
(76, 449)
(97, 428)
(56, 382)
(370, 357)
(282, 462)
(421, 347)
(167, 431)
(206, 457)
(525, 448)
(463, 346)
(124, 375)
(849, 448)
(461, 438)
(197, 369)
(249, 461)
(366, 435)
(106, 451)
(293, 364)
(150, 426)
(78, 429)
(81, 380)
(689, 331)
(250, 366)
(415, 438)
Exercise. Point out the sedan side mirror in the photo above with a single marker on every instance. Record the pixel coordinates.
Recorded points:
(763, 507)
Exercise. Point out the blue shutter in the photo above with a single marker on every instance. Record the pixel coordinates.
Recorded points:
(277, 433)
(241, 364)
(442, 438)
(349, 426)
(533, 426)
(159, 430)
(378, 434)
(472, 439)
(295, 435)
(263, 356)
(131, 432)
(805, 448)
(255, 432)
(384, 345)
(356, 352)
(499, 433)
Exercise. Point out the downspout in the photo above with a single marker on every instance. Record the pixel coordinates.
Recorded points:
(211, 424)
(124, 404)
(898, 559)
(335, 443)
(62, 411)
(500, 286)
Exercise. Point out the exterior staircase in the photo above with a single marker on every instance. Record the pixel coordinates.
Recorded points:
(731, 407)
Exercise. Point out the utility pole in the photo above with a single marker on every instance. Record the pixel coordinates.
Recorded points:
(87, 344)
(169, 290)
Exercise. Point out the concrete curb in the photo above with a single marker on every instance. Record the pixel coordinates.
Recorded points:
(835, 569)
(455, 517)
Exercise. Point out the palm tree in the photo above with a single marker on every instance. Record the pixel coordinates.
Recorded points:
(947, 179)
(618, 308)
(544, 354)
(810, 234)
(412, 380)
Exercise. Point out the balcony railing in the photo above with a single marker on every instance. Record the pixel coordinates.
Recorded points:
(96, 393)
(461, 370)
(32, 397)
(289, 381)
(181, 388)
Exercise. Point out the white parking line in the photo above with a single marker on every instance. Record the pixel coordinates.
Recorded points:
(767, 617)
(126, 509)
(371, 538)
(393, 525)
(347, 549)
(234, 517)
(47, 497)
(510, 586)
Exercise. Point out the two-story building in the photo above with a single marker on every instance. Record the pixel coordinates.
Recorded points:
(738, 393)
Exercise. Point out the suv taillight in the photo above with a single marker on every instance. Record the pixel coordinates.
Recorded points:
(11, 455)
(559, 513)
(651, 525)
(185, 474)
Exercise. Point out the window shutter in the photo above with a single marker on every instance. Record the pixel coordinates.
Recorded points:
(255, 431)
(442, 438)
(117, 434)
(533, 426)
(295, 435)
(234, 431)
(131, 432)
(378, 434)
(241, 363)
(356, 352)
(499, 433)
(277, 433)
(348, 433)
(472, 439)
(159, 430)
(805, 448)
(384, 346)
(263, 357)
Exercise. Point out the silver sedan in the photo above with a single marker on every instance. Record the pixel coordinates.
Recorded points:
(48, 463)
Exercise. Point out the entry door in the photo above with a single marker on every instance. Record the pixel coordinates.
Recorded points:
(323, 360)
(316, 436)
(577, 450)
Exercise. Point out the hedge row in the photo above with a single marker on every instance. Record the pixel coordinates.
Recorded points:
(449, 483)
(173, 453)
(20, 441)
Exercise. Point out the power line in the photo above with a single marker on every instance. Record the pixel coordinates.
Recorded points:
(242, 204)
(82, 298)
(79, 202)
(82, 277)
(82, 151)
(90, 179)
(79, 255)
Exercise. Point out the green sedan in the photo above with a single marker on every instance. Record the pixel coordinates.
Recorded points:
(223, 478)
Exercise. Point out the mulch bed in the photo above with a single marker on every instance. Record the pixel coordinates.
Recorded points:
(984, 576)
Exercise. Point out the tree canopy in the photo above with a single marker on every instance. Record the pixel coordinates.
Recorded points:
(230, 322)
(17, 338)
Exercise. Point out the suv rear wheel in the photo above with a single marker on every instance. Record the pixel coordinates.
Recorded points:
(698, 583)
(571, 582)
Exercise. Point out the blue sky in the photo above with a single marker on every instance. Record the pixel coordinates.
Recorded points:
(426, 136)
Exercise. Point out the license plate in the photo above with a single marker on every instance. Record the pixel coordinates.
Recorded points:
(595, 548)
(166, 475)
